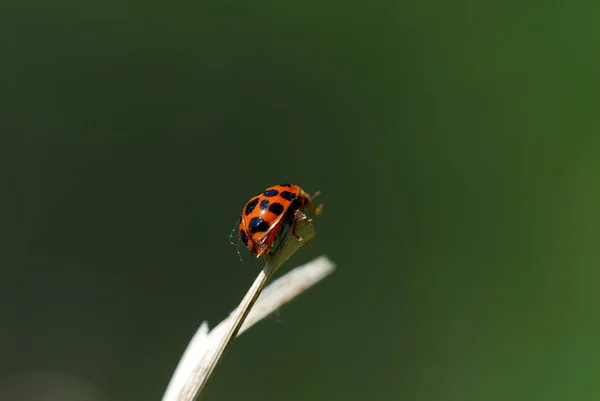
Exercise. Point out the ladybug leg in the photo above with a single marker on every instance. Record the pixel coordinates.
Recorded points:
(317, 210)
(314, 210)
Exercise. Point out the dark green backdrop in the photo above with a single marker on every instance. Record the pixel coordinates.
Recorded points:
(456, 145)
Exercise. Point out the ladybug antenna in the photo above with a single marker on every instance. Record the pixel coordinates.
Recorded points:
(231, 234)
(236, 243)
(238, 251)
(232, 241)
(228, 235)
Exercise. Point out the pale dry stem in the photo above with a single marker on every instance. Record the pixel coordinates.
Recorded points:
(207, 349)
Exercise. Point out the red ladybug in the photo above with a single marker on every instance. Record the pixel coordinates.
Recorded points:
(266, 213)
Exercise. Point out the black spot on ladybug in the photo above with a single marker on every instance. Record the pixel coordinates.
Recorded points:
(258, 225)
(270, 193)
(288, 195)
(264, 204)
(284, 185)
(251, 205)
(276, 208)
(244, 237)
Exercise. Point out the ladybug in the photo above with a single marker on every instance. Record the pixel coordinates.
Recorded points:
(265, 214)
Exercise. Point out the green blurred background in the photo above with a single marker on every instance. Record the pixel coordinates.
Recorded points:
(456, 145)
